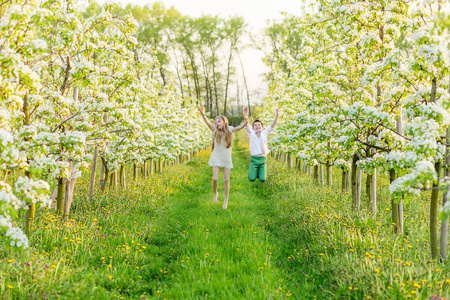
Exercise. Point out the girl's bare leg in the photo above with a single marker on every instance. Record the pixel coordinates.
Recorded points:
(215, 183)
(226, 189)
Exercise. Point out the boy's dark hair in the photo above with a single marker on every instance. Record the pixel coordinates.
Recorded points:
(256, 121)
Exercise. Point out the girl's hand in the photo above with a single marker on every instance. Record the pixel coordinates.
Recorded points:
(277, 111)
(246, 111)
(246, 120)
(201, 109)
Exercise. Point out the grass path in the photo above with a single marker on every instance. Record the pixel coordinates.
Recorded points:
(222, 254)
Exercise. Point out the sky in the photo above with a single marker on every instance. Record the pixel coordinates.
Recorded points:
(255, 12)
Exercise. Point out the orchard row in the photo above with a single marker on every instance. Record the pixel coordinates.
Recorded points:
(367, 89)
(75, 90)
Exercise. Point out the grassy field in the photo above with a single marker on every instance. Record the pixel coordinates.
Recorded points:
(164, 238)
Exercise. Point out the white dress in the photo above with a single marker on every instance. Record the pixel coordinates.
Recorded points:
(221, 156)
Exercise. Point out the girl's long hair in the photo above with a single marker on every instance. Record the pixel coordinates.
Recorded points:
(224, 133)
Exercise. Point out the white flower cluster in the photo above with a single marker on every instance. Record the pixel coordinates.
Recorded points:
(18, 237)
(342, 163)
(33, 191)
(420, 177)
(8, 203)
(10, 199)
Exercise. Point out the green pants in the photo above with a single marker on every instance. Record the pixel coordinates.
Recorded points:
(257, 169)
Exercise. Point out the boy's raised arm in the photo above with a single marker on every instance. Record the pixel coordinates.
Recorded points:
(246, 120)
(246, 115)
(210, 125)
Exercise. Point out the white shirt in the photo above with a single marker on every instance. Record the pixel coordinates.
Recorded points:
(258, 145)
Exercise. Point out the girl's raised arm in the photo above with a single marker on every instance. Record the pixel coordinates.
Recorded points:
(210, 125)
(240, 126)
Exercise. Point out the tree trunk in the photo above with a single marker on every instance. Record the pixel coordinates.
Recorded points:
(105, 182)
(94, 169)
(122, 176)
(373, 193)
(60, 196)
(433, 90)
(102, 176)
(444, 224)
(145, 169)
(395, 206)
(347, 183)
(368, 185)
(245, 84)
(227, 82)
(399, 206)
(343, 179)
(329, 175)
(67, 189)
(358, 188)
(321, 175)
(151, 165)
(186, 73)
(194, 74)
(215, 84)
(434, 191)
(178, 74)
(160, 165)
(354, 179)
(316, 174)
(163, 76)
(134, 171)
(111, 180)
(400, 217)
(290, 161)
(434, 212)
(31, 212)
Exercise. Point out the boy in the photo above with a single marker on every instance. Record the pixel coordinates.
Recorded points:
(258, 146)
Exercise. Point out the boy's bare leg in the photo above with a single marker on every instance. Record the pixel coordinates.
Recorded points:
(226, 188)
(215, 183)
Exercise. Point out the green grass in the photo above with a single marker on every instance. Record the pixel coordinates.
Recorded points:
(164, 238)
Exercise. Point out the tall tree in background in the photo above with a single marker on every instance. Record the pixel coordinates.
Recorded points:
(198, 55)
(234, 29)
(278, 39)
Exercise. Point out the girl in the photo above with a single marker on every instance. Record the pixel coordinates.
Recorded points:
(221, 151)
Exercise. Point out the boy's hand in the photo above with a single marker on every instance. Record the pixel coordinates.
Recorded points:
(277, 111)
(246, 120)
(200, 109)
(246, 112)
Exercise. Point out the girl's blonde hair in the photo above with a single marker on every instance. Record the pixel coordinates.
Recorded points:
(223, 133)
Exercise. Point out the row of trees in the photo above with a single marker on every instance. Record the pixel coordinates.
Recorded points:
(75, 89)
(367, 89)
(200, 56)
